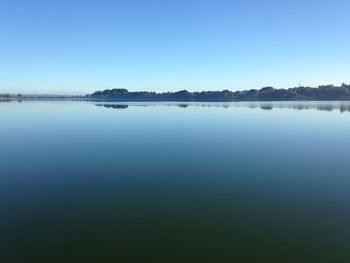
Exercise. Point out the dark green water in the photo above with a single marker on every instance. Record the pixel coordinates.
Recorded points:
(239, 182)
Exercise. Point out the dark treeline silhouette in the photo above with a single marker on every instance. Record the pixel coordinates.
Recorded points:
(326, 92)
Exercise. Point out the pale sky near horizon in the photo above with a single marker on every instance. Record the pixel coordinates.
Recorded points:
(82, 46)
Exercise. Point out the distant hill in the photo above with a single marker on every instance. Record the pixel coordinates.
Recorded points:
(326, 92)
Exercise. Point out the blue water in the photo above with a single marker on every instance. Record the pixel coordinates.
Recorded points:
(169, 182)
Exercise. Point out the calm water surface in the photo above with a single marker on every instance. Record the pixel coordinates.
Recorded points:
(169, 182)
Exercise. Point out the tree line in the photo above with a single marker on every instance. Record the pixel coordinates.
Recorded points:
(325, 92)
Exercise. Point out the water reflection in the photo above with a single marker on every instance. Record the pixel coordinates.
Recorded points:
(183, 105)
(327, 106)
(179, 182)
(113, 106)
(322, 106)
(266, 106)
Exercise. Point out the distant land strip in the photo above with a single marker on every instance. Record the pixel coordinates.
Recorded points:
(325, 92)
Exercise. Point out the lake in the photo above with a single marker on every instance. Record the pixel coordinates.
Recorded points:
(174, 182)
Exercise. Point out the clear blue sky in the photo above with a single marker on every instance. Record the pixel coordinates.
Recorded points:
(80, 46)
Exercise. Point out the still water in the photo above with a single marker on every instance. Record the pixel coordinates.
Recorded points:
(170, 182)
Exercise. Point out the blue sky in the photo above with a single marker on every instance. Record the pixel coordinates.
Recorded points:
(81, 46)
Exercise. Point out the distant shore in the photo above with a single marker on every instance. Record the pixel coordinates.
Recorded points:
(321, 93)
(326, 92)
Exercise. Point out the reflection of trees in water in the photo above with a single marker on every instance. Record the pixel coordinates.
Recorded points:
(267, 106)
(3, 100)
(344, 108)
(113, 106)
(305, 106)
(182, 105)
(325, 107)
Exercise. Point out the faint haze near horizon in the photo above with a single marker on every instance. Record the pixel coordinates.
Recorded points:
(77, 47)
